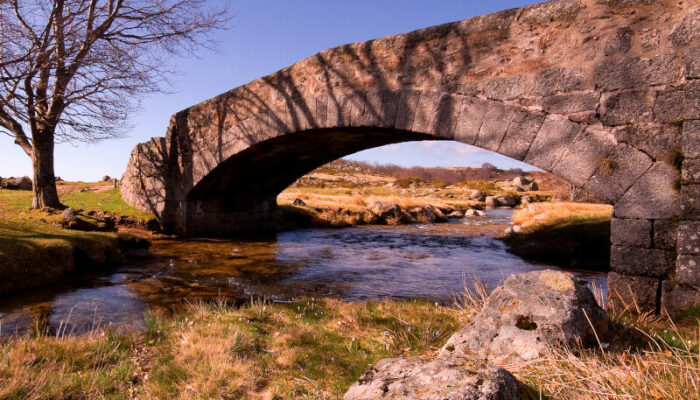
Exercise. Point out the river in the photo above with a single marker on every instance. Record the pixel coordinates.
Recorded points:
(426, 261)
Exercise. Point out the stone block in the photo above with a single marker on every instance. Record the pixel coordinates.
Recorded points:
(670, 105)
(692, 63)
(621, 43)
(494, 126)
(372, 110)
(631, 232)
(521, 132)
(656, 140)
(408, 105)
(357, 109)
(665, 234)
(553, 139)
(426, 113)
(635, 71)
(691, 170)
(555, 80)
(627, 3)
(653, 196)
(688, 270)
(640, 261)
(649, 38)
(447, 115)
(687, 30)
(570, 103)
(505, 89)
(546, 13)
(390, 107)
(675, 298)
(678, 103)
(632, 106)
(321, 111)
(689, 238)
(470, 119)
(690, 201)
(632, 293)
(580, 161)
(691, 139)
(626, 164)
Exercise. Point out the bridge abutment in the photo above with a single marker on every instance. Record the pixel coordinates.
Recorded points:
(232, 216)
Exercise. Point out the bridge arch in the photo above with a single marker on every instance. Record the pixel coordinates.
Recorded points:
(604, 94)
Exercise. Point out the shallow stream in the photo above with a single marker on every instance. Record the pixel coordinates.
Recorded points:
(428, 261)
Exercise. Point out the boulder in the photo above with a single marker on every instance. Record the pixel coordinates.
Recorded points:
(299, 202)
(106, 178)
(523, 184)
(389, 212)
(504, 200)
(69, 214)
(472, 212)
(422, 214)
(491, 201)
(526, 314)
(526, 199)
(477, 195)
(455, 214)
(438, 379)
(23, 183)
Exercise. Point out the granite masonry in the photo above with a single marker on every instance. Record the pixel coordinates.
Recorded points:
(603, 93)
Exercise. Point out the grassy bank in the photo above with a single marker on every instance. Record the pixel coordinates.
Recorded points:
(35, 250)
(572, 234)
(315, 349)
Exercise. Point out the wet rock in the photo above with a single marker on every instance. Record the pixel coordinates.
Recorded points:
(526, 314)
(474, 213)
(390, 213)
(491, 201)
(299, 202)
(505, 200)
(444, 378)
(23, 183)
(424, 214)
(455, 214)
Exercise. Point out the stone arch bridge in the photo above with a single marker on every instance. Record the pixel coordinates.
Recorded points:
(603, 93)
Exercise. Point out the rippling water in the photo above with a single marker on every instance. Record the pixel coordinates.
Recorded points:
(431, 261)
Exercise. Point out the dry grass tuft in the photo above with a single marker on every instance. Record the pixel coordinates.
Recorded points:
(606, 164)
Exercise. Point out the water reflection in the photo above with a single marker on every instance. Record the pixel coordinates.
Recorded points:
(414, 261)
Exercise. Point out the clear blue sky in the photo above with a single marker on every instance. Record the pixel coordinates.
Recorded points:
(267, 35)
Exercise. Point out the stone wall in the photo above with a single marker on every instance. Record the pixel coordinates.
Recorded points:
(603, 93)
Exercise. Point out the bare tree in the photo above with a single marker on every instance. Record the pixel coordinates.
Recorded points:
(75, 70)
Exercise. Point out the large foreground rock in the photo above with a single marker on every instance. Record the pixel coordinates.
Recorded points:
(526, 314)
(439, 379)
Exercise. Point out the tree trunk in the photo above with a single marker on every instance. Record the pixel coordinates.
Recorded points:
(44, 188)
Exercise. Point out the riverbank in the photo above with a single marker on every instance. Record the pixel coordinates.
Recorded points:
(36, 249)
(566, 234)
(315, 349)
(345, 193)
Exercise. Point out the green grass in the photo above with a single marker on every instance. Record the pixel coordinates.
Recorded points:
(312, 349)
(35, 250)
